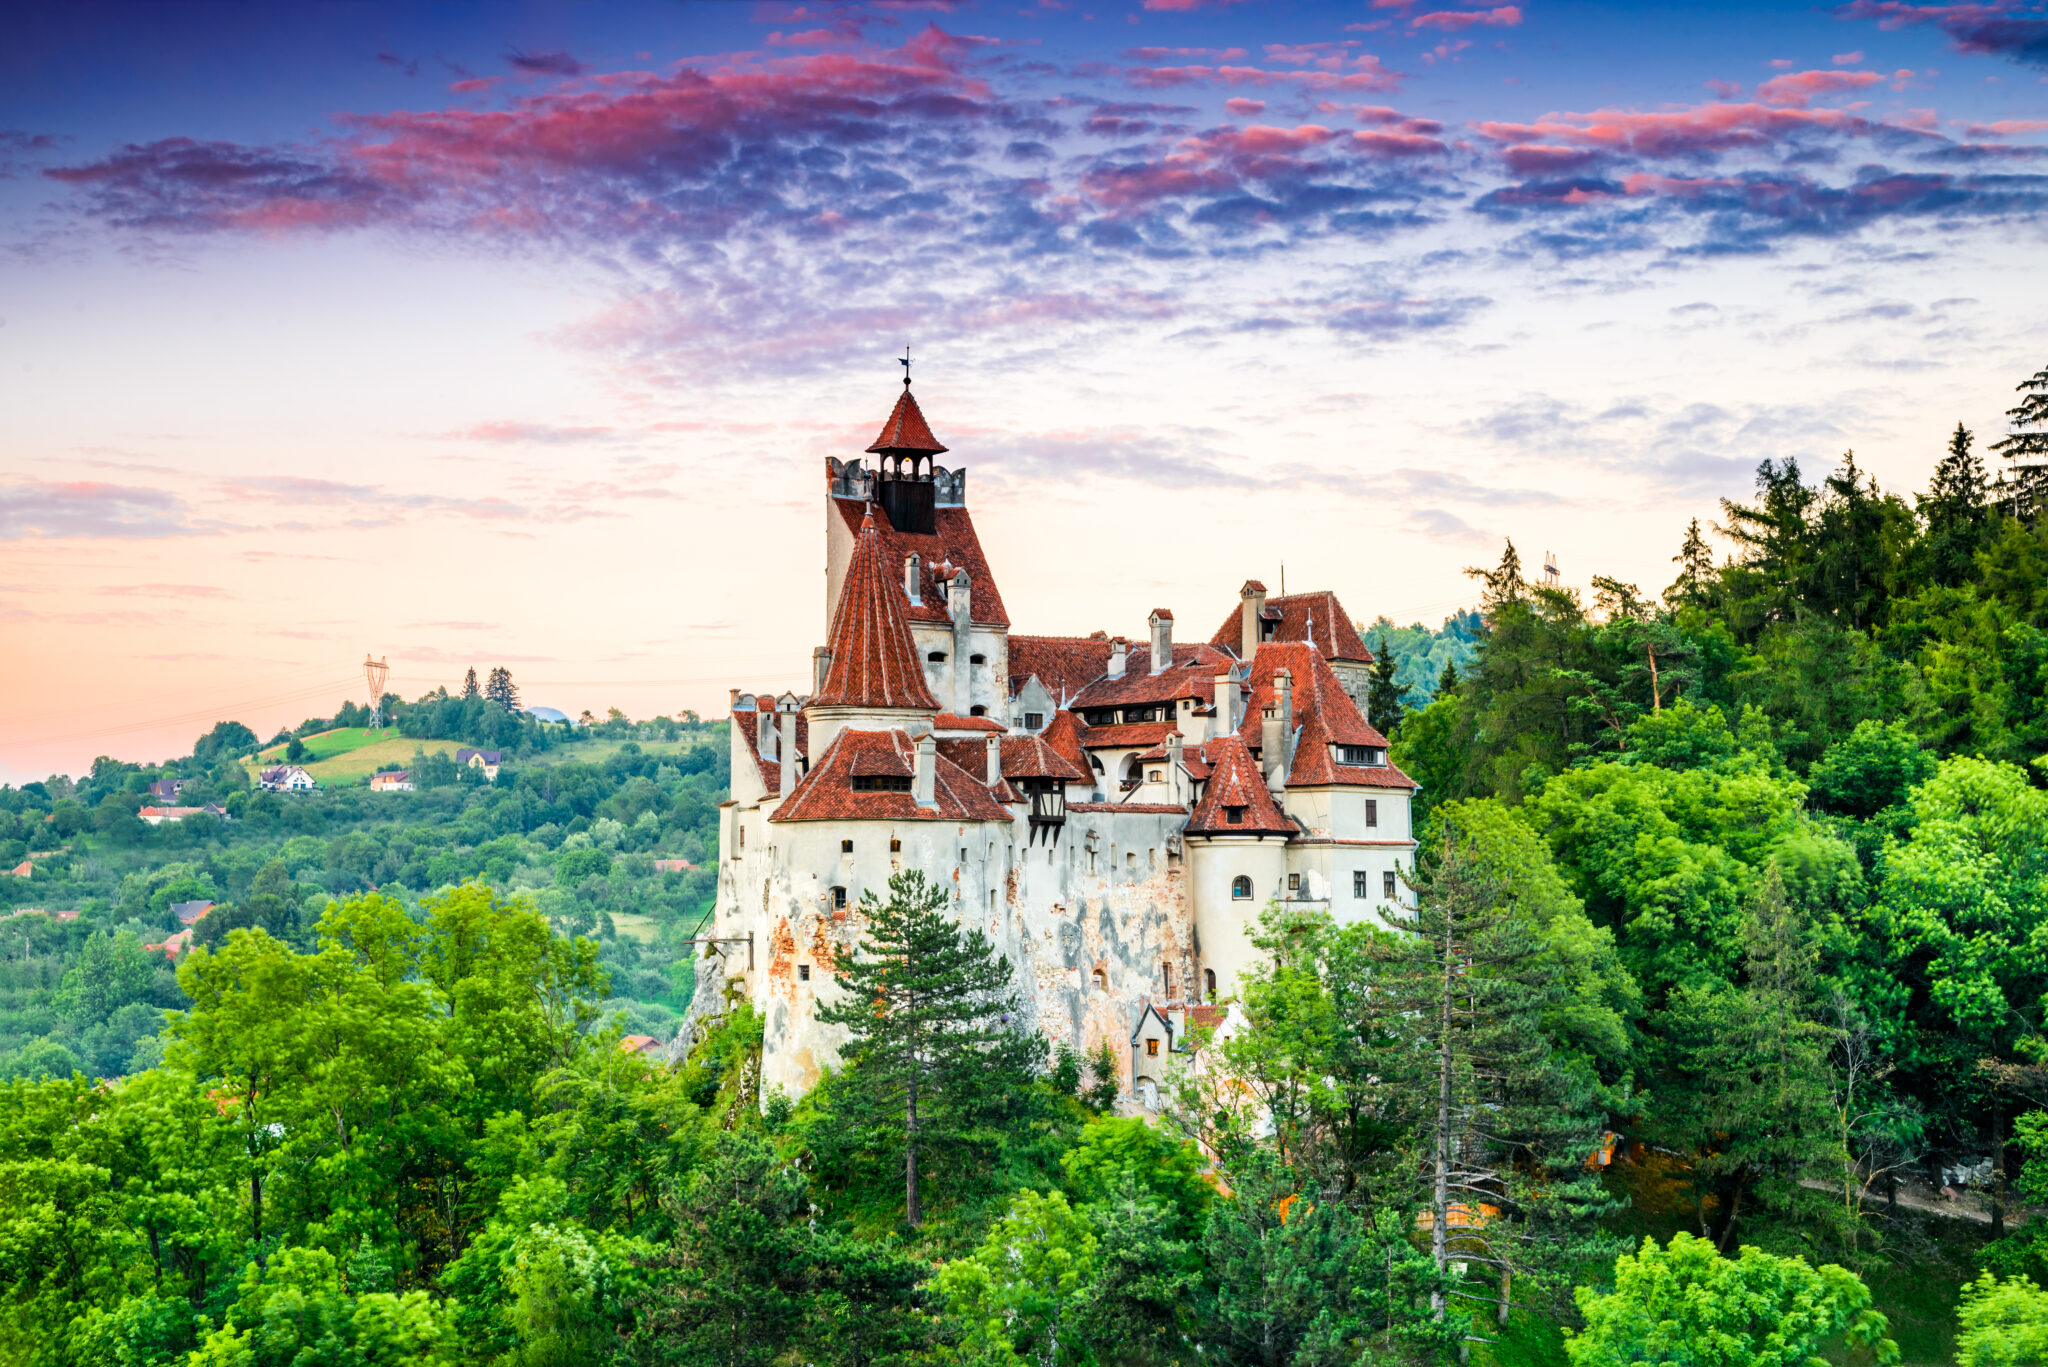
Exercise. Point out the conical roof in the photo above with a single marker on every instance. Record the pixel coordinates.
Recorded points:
(906, 432)
(874, 658)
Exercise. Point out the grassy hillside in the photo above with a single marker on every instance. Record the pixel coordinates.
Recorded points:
(351, 754)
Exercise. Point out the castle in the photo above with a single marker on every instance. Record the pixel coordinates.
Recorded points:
(1114, 813)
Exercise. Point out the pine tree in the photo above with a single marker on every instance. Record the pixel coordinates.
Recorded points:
(1957, 512)
(1745, 1086)
(2022, 487)
(1505, 1128)
(501, 690)
(469, 688)
(933, 1022)
(1504, 583)
(1695, 568)
(1447, 682)
(1383, 706)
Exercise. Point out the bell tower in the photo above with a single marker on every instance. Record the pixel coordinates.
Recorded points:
(903, 481)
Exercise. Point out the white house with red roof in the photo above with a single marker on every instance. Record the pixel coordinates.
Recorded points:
(1115, 814)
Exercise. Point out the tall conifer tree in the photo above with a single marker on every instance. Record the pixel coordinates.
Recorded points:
(501, 690)
(935, 1034)
(469, 687)
(1383, 705)
(1956, 511)
(1504, 1126)
(1695, 568)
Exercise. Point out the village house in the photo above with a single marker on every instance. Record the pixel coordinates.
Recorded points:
(157, 816)
(1114, 812)
(188, 912)
(167, 788)
(392, 781)
(286, 778)
(174, 945)
(486, 760)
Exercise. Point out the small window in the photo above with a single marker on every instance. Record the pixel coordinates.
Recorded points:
(1209, 982)
(895, 847)
(1241, 888)
(1151, 1048)
(1387, 886)
(1361, 883)
(1294, 882)
(1233, 816)
(937, 657)
(1101, 981)
(1130, 859)
(846, 847)
(977, 659)
(803, 973)
(1034, 721)
(977, 711)
(1152, 775)
(879, 783)
(1372, 811)
(838, 899)
(743, 837)
(1095, 762)
(1166, 976)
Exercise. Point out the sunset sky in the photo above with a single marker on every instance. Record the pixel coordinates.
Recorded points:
(517, 334)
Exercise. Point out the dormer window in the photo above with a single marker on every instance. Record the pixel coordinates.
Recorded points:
(1233, 816)
(881, 783)
(1034, 721)
(1361, 756)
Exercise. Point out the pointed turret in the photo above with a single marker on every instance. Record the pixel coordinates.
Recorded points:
(906, 433)
(874, 660)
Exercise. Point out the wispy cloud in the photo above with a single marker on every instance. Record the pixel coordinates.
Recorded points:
(40, 510)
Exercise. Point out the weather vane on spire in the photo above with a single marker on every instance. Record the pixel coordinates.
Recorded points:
(904, 361)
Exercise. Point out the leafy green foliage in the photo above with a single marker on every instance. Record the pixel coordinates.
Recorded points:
(1685, 1303)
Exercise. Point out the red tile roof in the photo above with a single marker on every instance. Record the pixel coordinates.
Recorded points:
(947, 721)
(1063, 734)
(1141, 733)
(874, 659)
(1334, 632)
(906, 431)
(1315, 767)
(1207, 1017)
(1037, 757)
(952, 541)
(1315, 690)
(749, 724)
(1237, 782)
(1191, 675)
(827, 793)
(1064, 664)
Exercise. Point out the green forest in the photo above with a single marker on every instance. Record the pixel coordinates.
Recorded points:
(1717, 1036)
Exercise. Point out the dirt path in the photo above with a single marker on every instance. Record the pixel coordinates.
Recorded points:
(1968, 1205)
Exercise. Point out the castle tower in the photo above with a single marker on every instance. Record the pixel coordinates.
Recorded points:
(871, 678)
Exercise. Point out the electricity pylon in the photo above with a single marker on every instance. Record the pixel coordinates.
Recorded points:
(374, 674)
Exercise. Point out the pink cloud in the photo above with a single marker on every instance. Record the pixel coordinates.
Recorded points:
(1379, 143)
(1366, 73)
(1780, 64)
(1385, 117)
(1794, 89)
(1538, 159)
(1454, 21)
(1674, 133)
(2006, 128)
(1726, 90)
(1244, 108)
(1848, 58)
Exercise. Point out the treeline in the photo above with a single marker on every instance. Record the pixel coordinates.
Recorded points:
(578, 840)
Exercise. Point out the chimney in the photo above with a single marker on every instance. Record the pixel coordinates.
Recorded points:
(1161, 622)
(786, 743)
(913, 580)
(1226, 702)
(1277, 734)
(927, 771)
(1253, 595)
(764, 732)
(1175, 779)
(733, 703)
(995, 759)
(1119, 651)
(821, 665)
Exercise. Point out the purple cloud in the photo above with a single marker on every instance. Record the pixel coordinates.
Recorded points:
(42, 510)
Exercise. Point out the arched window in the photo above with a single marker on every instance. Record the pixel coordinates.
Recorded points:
(1209, 983)
(1101, 981)
(977, 659)
(977, 711)
(937, 657)
(1241, 887)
